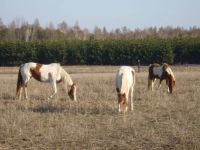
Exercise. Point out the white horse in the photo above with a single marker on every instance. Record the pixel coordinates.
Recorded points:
(163, 72)
(124, 82)
(52, 73)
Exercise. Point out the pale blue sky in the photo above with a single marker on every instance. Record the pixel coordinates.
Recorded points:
(109, 13)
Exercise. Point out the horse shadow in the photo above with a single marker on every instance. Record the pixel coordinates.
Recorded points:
(46, 109)
(49, 108)
(6, 96)
(70, 108)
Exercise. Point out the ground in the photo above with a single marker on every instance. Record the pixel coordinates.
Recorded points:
(159, 120)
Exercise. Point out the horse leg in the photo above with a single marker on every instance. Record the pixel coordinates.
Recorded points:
(127, 98)
(152, 85)
(54, 90)
(149, 83)
(167, 83)
(168, 90)
(159, 86)
(25, 92)
(118, 105)
(132, 89)
(19, 92)
(119, 108)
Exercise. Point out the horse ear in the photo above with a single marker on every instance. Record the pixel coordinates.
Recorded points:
(124, 94)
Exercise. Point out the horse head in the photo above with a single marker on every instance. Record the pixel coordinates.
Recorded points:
(122, 101)
(72, 92)
(171, 83)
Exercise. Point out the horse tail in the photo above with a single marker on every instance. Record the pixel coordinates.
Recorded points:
(19, 83)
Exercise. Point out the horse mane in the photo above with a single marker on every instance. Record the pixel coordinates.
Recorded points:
(66, 77)
(170, 72)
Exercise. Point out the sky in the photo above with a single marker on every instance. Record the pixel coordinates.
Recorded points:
(109, 13)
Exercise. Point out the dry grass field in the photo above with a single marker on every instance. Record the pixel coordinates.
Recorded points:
(159, 120)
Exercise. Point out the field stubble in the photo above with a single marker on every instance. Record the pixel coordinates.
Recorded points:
(159, 120)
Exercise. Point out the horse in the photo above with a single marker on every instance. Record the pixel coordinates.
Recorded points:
(51, 73)
(162, 72)
(125, 82)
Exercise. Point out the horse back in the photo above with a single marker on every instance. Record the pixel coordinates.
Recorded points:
(125, 78)
(41, 72)
(51, 72)
(35, 72)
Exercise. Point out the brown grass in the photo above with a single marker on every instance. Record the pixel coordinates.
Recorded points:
(159, 120)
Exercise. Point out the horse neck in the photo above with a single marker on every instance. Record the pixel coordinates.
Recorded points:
(169, 71)
(124, 87)
(66, 78)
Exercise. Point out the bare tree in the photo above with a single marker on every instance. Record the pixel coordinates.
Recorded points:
(86, 34)
(1, 24)
(19, 29)
(97, 33)
(77, 30)
(35, 29)
(11, 31)
(63, 27)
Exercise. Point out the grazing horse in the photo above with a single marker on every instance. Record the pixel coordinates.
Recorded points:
(163, 72)
(124, 82)
(51, 73)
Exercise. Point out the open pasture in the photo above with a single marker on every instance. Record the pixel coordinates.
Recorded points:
(159, 120)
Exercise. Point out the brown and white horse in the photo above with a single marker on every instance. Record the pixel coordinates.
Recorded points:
(125, 82)
(162, 72)
(51, 73)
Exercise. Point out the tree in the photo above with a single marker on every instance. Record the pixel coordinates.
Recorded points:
(97, 33)
(63, 27)
(35, 30)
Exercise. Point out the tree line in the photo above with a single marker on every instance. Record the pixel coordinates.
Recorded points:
(70, 45)
(20, 30)
(102, 52)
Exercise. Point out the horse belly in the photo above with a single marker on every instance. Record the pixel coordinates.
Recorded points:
(48, 73)
(45, 77)
(58, 79)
